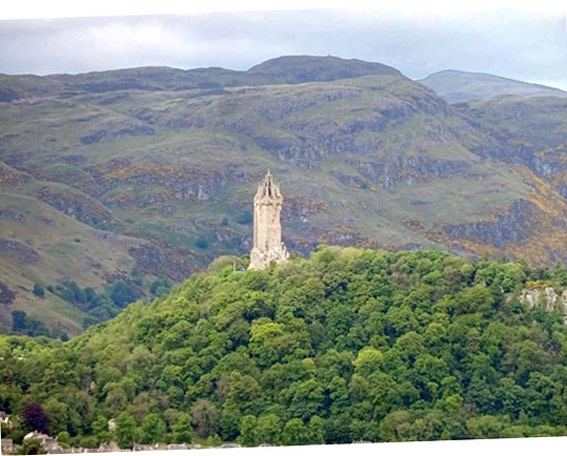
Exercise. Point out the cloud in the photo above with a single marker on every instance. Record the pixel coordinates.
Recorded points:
(515, 44)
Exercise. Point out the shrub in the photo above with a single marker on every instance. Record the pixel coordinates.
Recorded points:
(38, 290)
(202, 243)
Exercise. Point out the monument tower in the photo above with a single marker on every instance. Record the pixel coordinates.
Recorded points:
(268, 245)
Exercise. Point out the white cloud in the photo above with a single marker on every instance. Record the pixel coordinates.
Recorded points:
(511, 43)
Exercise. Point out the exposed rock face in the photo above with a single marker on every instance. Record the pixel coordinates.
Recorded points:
(547, 298)
(306, 142)
(6, 295)
(151, 259)
(389, 173)
(79, 206)
(302, 207)
(10, 177)
(8, 95)
(68, 171)
(528, 131)
(268, 245)
(24, 253)
(513, 227)
(8, 213)
(183, 183)
(111, 134)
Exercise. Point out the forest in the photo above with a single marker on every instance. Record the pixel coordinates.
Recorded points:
(346, 345)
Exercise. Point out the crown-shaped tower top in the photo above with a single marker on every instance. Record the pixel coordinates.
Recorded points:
(268, 189)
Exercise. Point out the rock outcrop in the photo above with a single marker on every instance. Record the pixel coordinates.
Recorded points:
(6, 295)
(546, 298)
(515, 226)
(24, 253)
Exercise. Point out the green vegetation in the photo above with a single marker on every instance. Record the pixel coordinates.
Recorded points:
(202, 243)
(346, 345)
(24, 324)
(32, 446)
(160, 287)
(38, 290)
(100, 306)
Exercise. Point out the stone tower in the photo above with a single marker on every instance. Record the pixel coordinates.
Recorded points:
(268, 245)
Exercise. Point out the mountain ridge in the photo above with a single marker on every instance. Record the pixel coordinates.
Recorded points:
(281, 70)
(377, 160)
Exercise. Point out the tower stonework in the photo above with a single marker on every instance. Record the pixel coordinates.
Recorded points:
(268, 245)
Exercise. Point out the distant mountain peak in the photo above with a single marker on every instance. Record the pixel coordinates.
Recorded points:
(304, 68)
(459, 86)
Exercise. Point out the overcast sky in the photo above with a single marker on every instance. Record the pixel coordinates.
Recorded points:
(517, 44)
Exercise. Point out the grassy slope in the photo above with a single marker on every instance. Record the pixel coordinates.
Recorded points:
(68, 250)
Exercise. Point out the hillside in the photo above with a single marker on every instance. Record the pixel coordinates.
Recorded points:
(163, 165)
(458, 86)
(346, 345)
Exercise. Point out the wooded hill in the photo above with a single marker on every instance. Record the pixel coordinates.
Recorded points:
(345, 345)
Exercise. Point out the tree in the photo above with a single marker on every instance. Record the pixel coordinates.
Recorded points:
(58, 416)
(368, 360)
(116, 399)
(338, 394)
(337, 428)
(251, 357)
(474, 299)
(91, 296)
(202, 242)
(182, 429)
(63, 438)
(249, 435)
(269, 429)
(396, 427)
(100, 429)
(316, 430)
(32, 446)
(38, 290)
(19, 323)
(485, 427)
(88, 441)
(204, 420)
(35, 417)
(153, 429)
(122, 294)
(295, 433)
(306, 399)
(160, 287)
(125, 430)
